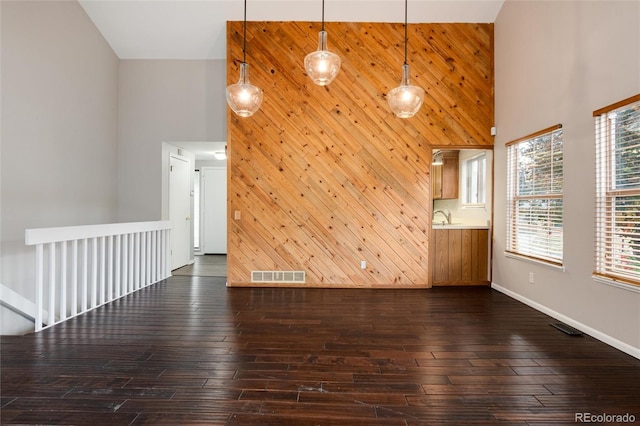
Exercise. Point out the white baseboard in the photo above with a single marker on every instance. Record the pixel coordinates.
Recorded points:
(624, 347)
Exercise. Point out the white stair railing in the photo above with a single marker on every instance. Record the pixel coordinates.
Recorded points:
(80, 268)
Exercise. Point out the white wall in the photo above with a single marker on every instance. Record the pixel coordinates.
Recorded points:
(210, 163)
(82, 131)
(557, 62)
(59, 131)
(163, 101)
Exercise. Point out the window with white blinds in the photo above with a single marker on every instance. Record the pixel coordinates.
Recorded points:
(535, 196)
(617, 131)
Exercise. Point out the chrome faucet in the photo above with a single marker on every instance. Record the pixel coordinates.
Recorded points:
(446, 213)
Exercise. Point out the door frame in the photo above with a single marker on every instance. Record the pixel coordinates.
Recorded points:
(167, 151)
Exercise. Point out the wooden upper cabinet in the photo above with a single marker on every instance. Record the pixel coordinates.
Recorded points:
(436, 180)
(445, 176)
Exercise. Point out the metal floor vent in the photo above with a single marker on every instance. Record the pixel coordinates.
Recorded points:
(566, 329)
(278, 276)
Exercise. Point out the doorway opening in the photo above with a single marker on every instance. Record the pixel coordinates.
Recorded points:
(208, 234)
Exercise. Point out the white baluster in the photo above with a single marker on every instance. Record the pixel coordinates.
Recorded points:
(101, 266)
(143, 260)
(110, 295)
(131, 264)
(166, 253)
(125, 263)
(85, 276)
(39, 286)
(94, 273)
(116, 272)
(160, 243)
(52, 283)
(149, 279)
(154, 256)
(74, 278)
(63, 281)
(136, 275)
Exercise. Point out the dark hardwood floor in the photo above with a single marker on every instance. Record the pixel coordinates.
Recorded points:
(189, 350)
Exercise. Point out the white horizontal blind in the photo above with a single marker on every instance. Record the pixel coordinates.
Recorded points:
(535, 196)
(617, 131)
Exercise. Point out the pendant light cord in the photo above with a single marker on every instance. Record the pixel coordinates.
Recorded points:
(244, 45)
(322, 15)
(406, 37)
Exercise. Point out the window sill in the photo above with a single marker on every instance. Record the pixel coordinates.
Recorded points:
(536, 261)
(617, 284)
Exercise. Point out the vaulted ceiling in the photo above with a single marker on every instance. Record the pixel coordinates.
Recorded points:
(186, 29)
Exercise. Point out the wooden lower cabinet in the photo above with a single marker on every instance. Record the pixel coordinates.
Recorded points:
(460, 257)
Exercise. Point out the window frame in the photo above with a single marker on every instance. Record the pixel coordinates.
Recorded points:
(515, 233)
(480, 178)
(609, 249)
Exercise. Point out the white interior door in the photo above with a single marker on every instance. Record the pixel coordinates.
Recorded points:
(180, 210)
(214, 209)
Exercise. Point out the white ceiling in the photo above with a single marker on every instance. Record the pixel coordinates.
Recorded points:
(195, 29)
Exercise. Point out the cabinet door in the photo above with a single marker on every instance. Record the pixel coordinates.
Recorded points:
(480, 252)
(440, 254)
(449, 186)
(460, 256)
(436, 177)
(475, 255)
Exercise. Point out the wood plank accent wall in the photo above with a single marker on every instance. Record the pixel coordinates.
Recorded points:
(324, 177)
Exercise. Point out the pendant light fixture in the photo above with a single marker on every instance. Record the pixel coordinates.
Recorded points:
(405, 100)
(243, 97)
(322, 66)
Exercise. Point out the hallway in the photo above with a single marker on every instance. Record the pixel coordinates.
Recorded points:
(190, 350)
(207, 265)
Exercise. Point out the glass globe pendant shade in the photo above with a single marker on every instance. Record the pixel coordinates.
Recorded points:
(322, 66)
(243, 97)
(405, 100)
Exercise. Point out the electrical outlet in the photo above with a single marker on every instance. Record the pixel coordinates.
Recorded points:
(236, 215)
(363, 264)
(531, 280)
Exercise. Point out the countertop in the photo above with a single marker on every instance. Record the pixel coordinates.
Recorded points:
(438, 225)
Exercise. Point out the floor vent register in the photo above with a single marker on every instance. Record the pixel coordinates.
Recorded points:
(566, 329)
(278, 276)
